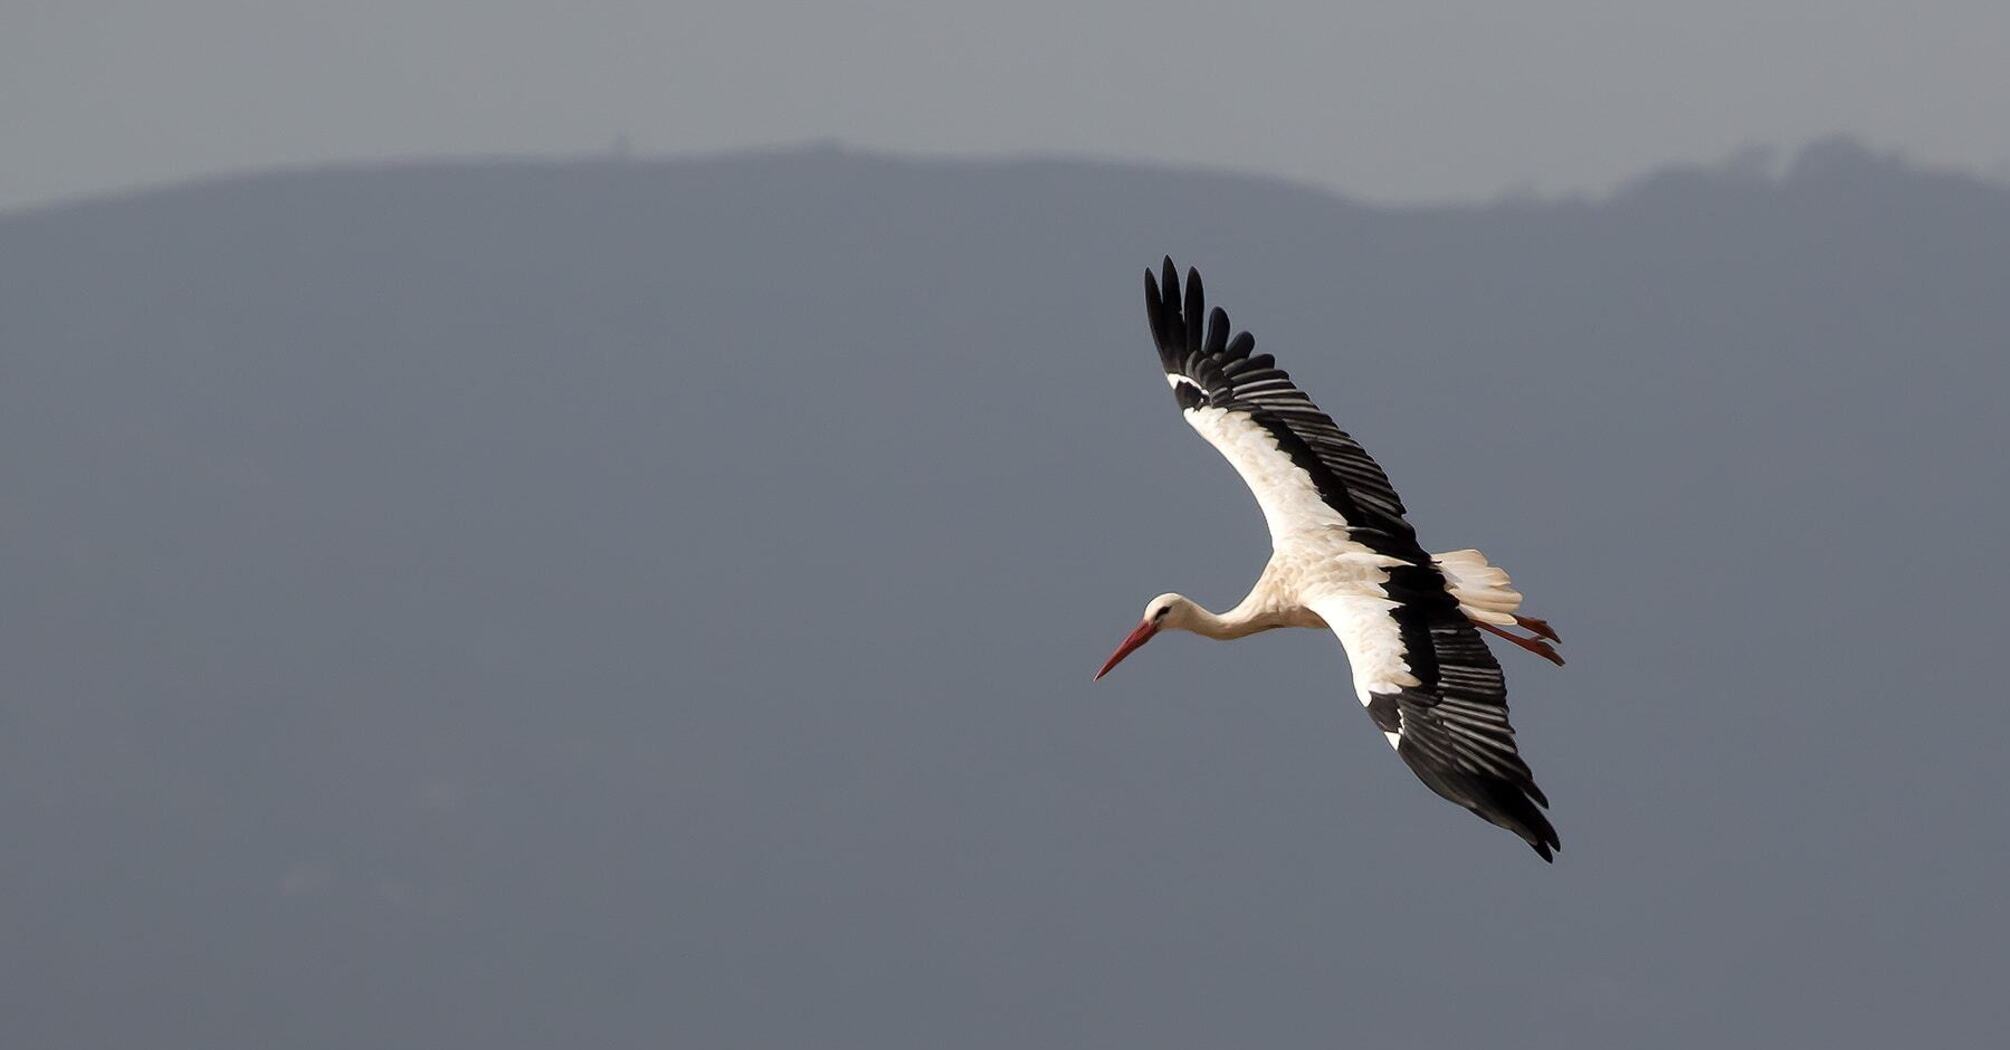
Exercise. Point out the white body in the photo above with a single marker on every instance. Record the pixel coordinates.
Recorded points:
(1318, 577)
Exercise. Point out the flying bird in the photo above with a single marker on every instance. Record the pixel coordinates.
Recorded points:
(1344, 558)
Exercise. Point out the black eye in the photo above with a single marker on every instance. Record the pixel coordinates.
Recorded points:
(1161, 614)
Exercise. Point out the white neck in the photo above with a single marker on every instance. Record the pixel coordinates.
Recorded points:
(1240, 622)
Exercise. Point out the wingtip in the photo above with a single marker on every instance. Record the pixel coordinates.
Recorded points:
(1182, 322)
(1194, 311)
(1217, 331)
(1155, 311)
(1546, 840)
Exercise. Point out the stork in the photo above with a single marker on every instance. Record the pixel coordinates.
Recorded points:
(1344, 558)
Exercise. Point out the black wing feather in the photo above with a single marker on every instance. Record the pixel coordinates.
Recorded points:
(1455, 733)
(1196, 302)
(1217, 333)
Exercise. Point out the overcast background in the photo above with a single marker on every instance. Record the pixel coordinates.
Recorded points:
(632, 602)
(1399, 101)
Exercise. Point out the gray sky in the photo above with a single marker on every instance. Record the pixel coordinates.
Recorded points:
(1412, 101)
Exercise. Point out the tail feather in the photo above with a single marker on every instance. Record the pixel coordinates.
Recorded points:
(1484, 591)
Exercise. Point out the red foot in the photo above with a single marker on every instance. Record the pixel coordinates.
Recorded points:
(1534, 645)
(1540, 627)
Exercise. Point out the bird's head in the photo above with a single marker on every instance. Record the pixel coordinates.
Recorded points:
(1165, 612)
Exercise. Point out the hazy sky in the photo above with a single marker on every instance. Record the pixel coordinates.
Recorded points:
(1399, 101)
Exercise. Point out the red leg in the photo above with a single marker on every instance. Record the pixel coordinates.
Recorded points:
(1534, 645)
(1540, 627)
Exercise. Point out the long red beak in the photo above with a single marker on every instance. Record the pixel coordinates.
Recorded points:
(1137, 638)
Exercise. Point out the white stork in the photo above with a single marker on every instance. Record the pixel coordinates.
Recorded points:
(1343, 557)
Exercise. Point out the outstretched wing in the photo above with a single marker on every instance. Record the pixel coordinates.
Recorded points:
(1421, 669)
(1306, 473)
(1434, 689)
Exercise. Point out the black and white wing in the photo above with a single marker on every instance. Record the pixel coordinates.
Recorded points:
(1420, 667)
(1306, 473)
(1435, 691)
